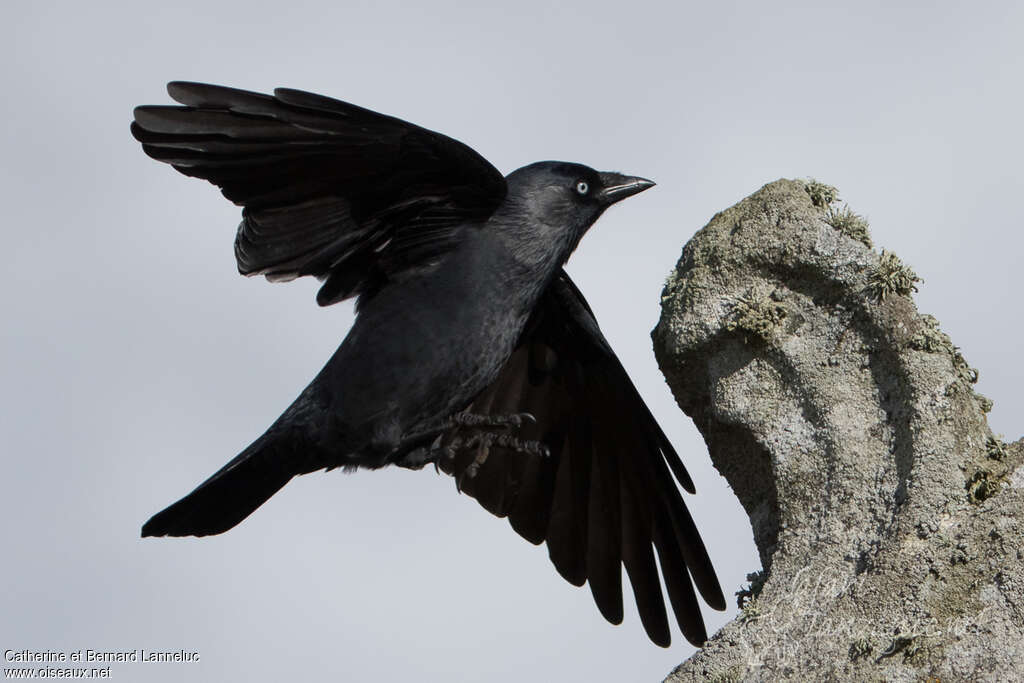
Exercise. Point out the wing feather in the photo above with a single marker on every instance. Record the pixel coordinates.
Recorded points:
(329, 189)
(607, 497)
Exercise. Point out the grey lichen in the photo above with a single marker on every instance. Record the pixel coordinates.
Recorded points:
(931, 339)
(965, 371)
(981, 486)
(850, 224)
(755, 583)
(750, 612)
(900, 643)
(995, 448)
(821, 194)
(892, 276)
(734, 675)
(960, 555)
(860, 648)
(757, 314)
(916, 652)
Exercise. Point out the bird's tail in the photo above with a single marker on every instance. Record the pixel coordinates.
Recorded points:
(230, 495)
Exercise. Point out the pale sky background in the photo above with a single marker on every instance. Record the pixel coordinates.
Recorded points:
(134, 361)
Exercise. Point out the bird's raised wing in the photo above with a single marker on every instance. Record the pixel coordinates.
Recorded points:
(330, 189)
(605, 497)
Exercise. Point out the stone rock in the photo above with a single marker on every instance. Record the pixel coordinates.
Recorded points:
(889, 518)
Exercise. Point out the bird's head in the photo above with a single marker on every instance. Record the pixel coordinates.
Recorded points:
(562, 200)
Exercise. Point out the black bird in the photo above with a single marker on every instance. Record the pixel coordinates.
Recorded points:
(472, 348)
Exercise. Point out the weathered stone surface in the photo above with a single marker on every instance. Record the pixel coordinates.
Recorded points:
(889, 518)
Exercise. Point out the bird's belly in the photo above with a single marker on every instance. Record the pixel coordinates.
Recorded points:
(403, 369)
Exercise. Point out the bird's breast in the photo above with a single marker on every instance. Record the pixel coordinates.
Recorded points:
(424, 348)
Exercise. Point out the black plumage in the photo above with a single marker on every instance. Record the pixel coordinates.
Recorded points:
(464, 310)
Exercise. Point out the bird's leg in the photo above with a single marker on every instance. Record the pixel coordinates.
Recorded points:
(484, 421)
(484, 440)
(418, 440)
(417, 453)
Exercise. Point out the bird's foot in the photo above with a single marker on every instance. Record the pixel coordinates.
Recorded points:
(475, 421)
(486, 431)
(482, 443)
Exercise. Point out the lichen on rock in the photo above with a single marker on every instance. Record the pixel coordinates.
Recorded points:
(821, 195)
(756, 313)
(850, 224)
(891, 277)
(888, 517)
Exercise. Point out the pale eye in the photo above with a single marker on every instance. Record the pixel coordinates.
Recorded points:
(582, 187)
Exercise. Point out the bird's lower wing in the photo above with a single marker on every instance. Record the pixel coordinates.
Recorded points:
(606, 496)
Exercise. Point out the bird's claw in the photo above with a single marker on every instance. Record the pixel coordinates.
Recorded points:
(483, 442)
(485, 431)
(500, 421)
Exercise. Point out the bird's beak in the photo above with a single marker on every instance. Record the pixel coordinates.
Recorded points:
(617, 187)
